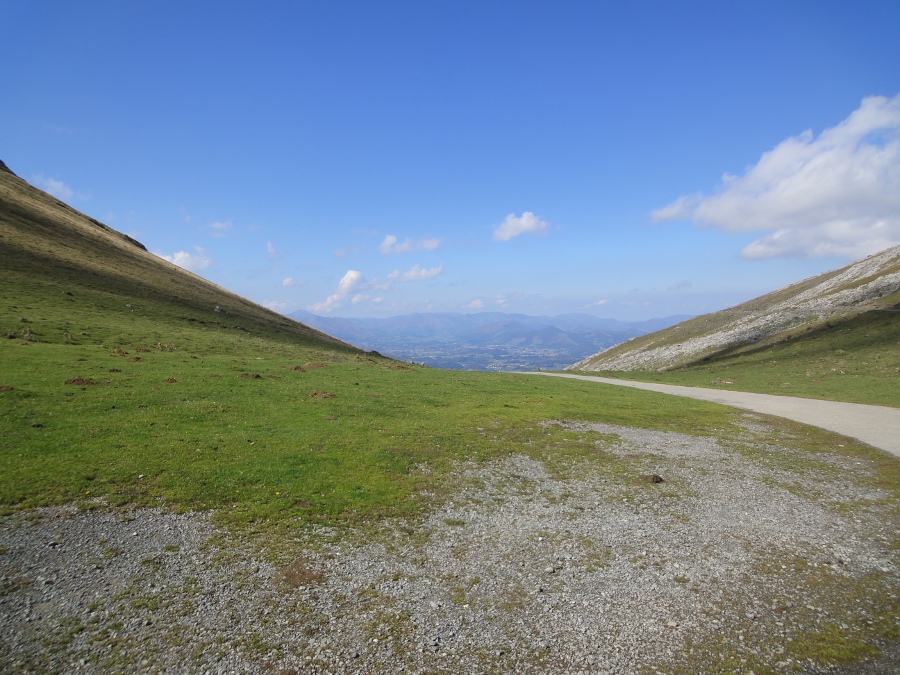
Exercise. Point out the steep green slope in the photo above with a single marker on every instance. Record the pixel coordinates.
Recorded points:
(74, 280)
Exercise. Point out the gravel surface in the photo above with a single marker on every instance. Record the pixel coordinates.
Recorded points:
(732, 562)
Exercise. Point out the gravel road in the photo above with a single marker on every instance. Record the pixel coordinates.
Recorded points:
(879, 426)
(745, 553)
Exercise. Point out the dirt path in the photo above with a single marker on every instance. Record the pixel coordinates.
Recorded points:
(879, 426)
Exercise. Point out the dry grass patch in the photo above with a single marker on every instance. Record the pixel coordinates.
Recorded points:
(297, 573)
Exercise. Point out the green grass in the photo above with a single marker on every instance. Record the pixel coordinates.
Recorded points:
(857, 360)
(265, 449)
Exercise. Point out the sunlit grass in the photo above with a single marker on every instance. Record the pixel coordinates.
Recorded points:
(272, 447)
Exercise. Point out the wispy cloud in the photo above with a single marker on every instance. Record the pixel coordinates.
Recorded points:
(837, 193)
(276, 305)
(219, 229)
(416, 273)
(355, 288)
(193, 262)
(390, 245)
(290, 281)
(598, 303)
(477, 303)
(54, 187)
(349, 288)
(513, 226)
(681, 283)
(272, 252)
(505, 298)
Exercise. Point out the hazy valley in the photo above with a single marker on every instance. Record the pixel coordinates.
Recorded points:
(495, 341)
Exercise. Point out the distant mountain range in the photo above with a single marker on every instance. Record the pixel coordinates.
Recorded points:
(485, 340)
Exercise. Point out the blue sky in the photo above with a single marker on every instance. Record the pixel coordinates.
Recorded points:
(628, 160)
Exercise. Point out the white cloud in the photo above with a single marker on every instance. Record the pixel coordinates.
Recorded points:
(390, 245)
(834, 194)
(416, 273)
(513, 227)
(54, 187)
(331, 302)
(219, 228)
(272, 252)
(681, 283)
(193, 262)
(351, 282)
(290, 281)
(599, 303)
(275, 305)
(355, 289)
(477, 303)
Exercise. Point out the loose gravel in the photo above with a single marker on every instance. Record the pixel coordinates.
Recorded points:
(729, 563)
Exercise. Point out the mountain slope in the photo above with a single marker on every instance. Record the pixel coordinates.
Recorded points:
(871, 285)
(92, 282)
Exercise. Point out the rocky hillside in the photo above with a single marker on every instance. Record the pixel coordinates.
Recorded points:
(871, 284)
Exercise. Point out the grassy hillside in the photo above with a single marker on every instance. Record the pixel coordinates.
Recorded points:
(68, 279)
(855, 360)
(838, 297)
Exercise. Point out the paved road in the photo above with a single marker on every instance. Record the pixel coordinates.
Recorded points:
(876, 425)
